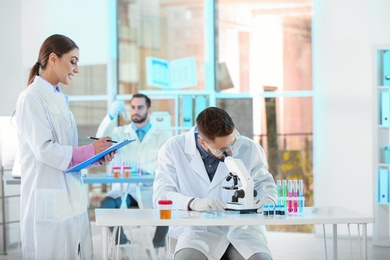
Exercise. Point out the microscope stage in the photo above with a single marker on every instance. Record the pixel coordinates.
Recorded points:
(240, 207)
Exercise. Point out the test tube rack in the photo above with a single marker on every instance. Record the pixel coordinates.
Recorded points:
(293, 205)
(290, 197)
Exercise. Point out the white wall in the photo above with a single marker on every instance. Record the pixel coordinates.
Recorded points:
(11, 56)
(344, 32)
(83, 21)
(25, 24)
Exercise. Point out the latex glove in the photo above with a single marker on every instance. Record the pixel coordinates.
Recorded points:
(116, 107)
(208, 204)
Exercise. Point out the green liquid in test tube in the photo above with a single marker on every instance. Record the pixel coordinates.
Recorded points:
(284, 192)
(279, 189)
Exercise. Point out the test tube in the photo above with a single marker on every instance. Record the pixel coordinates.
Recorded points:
(282, 210)
(277, 210)
(289, 202)
(301, 197)
(271, 210)
(265, 210)
(279, 189)
(284, 192)
(295, 196)
(139, 168)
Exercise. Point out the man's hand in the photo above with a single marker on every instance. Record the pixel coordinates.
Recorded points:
(208, 204)
(116, 107)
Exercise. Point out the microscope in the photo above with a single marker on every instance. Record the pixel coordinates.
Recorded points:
(243, 198)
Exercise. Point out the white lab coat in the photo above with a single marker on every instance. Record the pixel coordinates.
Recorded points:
(181, 175)
(53, 209)
(144, 153)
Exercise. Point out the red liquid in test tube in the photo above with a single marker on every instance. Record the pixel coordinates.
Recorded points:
(289, 207)
(295, 196)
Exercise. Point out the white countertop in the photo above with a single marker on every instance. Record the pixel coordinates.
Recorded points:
(150, 217)
(100, 177)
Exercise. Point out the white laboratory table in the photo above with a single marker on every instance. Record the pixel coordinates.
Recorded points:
(91, 178)
(103, 178)
(311, 215)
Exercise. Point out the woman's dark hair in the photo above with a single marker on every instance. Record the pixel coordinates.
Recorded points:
(214, 122)
(58, 44)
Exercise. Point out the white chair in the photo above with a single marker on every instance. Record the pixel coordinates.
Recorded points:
(171, 247)
(135, 245)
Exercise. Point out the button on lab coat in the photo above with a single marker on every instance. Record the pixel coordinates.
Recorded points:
(181, 175)
(53, 210)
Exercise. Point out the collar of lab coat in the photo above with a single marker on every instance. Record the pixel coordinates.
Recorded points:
(128, 129)
(197, 163)
(146, 127)
(57, 98)
(45, 84)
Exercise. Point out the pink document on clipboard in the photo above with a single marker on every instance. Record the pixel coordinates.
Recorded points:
(98, 156)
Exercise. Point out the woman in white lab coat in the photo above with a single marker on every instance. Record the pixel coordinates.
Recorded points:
(53, 209)
(182, 176)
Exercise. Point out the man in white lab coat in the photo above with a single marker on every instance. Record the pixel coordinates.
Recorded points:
(143, 151)
(191, 172)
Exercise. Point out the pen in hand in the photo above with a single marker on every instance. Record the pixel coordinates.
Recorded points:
(95, 138)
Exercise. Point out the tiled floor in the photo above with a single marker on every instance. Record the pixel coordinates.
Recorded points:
(283, 245)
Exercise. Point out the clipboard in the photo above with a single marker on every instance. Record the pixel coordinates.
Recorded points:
(98, 156)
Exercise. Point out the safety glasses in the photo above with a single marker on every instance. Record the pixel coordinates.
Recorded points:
(228, 149)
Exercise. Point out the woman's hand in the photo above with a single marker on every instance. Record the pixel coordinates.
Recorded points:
(102, 144)
(108, 157)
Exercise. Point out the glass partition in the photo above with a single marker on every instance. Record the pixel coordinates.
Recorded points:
(166, 31)
(91, 80)
(258, 54)
(264, 81)
(264, 43)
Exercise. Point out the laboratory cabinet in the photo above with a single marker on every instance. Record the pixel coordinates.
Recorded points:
(381, 142)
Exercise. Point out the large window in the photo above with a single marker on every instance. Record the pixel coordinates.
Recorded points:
(163, 36)
(264, 80)
(250, 57)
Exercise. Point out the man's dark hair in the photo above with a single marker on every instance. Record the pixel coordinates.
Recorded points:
(214, 122)
(147, 99)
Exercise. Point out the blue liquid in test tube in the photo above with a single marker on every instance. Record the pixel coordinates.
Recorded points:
(265, 210)
(301, 202)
